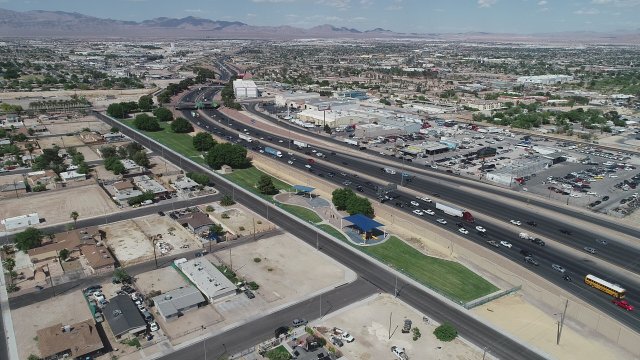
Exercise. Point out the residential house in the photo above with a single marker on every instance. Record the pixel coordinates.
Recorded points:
(43, 177)
(77, 341)
(146, 184)
(125, 190)
(197, 222)
(114, 137)
(71, 240)
(132, 168)
(174, 303)
(123, 317)
(185, 184)
(72, 175)
(98, 258)
(20, 221)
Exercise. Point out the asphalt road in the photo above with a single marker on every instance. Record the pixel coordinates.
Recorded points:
(473, 330)
(577, 266)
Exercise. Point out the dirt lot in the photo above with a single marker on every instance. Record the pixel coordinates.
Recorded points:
(129, 240)
(10, 179)
(539, 328)
(160, 166)
(104, 174)
(61, 141)
(368, 323)
(163, 280)
(27, 320)
(77, 125)
(238, 217)
(89, 155)
(55, 206)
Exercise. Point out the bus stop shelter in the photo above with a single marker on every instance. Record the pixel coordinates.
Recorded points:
(303, 189)
(366, 226)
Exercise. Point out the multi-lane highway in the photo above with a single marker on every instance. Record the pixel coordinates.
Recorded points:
(331, 170)
(473, 330)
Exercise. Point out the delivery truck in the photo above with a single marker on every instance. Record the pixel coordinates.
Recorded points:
(272, 151)
(245, 137)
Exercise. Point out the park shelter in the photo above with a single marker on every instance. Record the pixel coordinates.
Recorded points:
(303, 189)
(367, 226)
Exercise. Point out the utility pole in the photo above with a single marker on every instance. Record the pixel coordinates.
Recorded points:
(155, 257)
(317, 240)
(390, 314)
(561, 322)
(51, 279)
(254, 229)
(230, 260)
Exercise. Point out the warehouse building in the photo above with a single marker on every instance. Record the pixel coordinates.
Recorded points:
(175, 303)
(245, 89)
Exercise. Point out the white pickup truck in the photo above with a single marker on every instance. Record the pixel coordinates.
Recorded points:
(525, 236)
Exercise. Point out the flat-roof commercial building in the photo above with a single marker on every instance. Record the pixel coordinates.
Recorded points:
(22, 221)
(209, 280)
(69, 341)
(174, 303)
(288, 99)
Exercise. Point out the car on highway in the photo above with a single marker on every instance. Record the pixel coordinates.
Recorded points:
(515, 222)
(463, 230)
(506, 244)
(429, 212)
(566, 232)
(566, 278)
(601, 241)
(623, 304)
(558, 268)
(442, 221)
(532, 223)
(346, 183)
(308, 166)
(537, 241)
(481, 229)
(590, 250)
(481, 234)
(525, 252)
(531, 261)
(290, 162)
(418, 212)
(493, 243)
(425, 199)
(415, 203)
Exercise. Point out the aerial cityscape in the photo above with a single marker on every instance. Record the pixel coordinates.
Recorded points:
(326, 179)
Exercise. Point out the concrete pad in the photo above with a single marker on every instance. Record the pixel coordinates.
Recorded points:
(368, 322)
(27, 320)
(538, 328)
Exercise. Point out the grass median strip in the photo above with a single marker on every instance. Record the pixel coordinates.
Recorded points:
(181, 143)
(447, 277)
(305, 214)
(248, 178)
(332, 231)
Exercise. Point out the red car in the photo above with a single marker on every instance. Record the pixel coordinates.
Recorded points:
(623, 304)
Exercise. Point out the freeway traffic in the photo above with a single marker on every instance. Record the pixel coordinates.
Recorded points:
(577, 267)
(475, 331)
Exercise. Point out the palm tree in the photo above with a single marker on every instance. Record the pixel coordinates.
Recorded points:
(74, 216)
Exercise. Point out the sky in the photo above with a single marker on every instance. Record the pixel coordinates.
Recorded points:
(421, 16)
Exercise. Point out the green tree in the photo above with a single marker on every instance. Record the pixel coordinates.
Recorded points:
(342, 197)
(108, 152)
(216, 229)
(84, 168)
(233, 155)
(116, 110)
(34, 357)
(181, 125)
(445, 332)
(200, 178)
(49, 160)
(227, 201)
(115, 129)
(145, 103)
(327, 129)
(28, 239)
(360, 205)
(141, 158)
(74, 215)
(163, 114)
(121, 275)
(9, 264)
(115, 165)
(146, 123)
(64, 254)
(265, 185)
(203, 141)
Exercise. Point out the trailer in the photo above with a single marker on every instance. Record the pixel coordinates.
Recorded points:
(454, 211)
(245, 137)
(300, 144)
(272, 151)
(351, 142)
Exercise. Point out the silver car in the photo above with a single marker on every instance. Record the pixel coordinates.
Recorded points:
(590, 250)
(558, 268)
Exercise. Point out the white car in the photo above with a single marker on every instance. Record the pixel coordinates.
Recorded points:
(506, 244)
(429, 212)
(418, 212)
(425, 199)
(308, 166)
(515, 222)
(415, 203)
(481, 229)
(154, 326)
(442, 221)
(290, 162)
(463, 230)
(347, 337)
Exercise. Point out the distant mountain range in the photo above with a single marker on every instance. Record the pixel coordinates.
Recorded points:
(38, 23)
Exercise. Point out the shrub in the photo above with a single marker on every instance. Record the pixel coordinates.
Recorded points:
(253, 285)
(224, 216)
(227, 201)
(416, 333)
(209, 208)
(445, 332)
(257, 259)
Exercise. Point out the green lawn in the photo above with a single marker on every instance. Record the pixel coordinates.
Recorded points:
(447, 277)
(247, 178)
(332, 231)
(303, 213)
(181, 143)
(278, 353)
